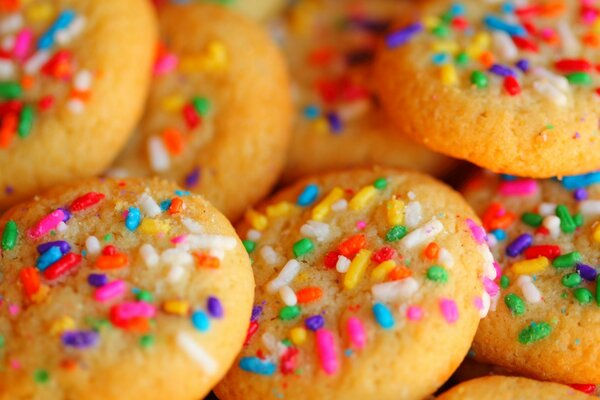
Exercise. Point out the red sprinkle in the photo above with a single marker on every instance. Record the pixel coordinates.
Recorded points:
(86, 201)
(383, 254)
(192, 119)
(547, 250)
(525, 44)
(64, 266)
(588, 388)
(30, 280)
(567, 65)
(511, 85)
(331, 259)
(252, 329)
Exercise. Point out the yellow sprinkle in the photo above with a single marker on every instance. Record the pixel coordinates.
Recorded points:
(395, 212)
(280, 209)
(173, 103)
(177, 307)
(322, 209)
(449, 76)
(152, 226)
(64, 323)
(361, 198)
(480, 43)
(596, 233)
(357, 269)
(298, 335)
(321, 126)
(256, 219)
(41, 12)
(40, 295)
(530, 266)
(596, 26)
(445, 47)
(431, 21)
(380, 272)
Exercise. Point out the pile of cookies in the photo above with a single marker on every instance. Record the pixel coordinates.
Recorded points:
(234, 199)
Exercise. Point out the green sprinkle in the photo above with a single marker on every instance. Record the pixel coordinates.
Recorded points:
(9, 236)
(107, 237)
(567, 260)
(504, 282)
(532, 219)
(286, 342)
(578, 219)
(26, 121)
(145, 296)
(302, 247)
(289, 312)
(147, 341)
(249, 245)
(515, 304)
(571, 280)
(535, 332)
(380, 184)
(10, 90)
(98, 324)
(396, 233)
(462, 59)
(441, 31)
(41, 376)
(567, 225)
(580, 78)
(2, 341)
(437, 273)
(201, 105)
(583, 295)
(479, 79)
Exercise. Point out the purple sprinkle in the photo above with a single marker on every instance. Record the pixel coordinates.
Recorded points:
(8, 190)
(398, 38)
(580, 194)
(80, 339)
(335, 123)
(192, 178)
(61, 244)
(519, 245)
(215, 308)
(502, 70)
(67, 214)
(97, 280)
(315, 322)
(256, 313)
(586, 272)
(523, 65)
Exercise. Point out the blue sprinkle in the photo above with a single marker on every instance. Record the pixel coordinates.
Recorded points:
(502, 70)
(335, 123)
(134, 218)
(308, 195)
(383, 316)
(348, 352)
(165, 204)
(182, 193)
(398, 38)
(439, 58)
(311, 112)
(500, 234)
(457, 9)
(200, 321)
(580, 181)
(494, 23)
(506, 177)
(48, 258)
(257, 366)
(64, 20)
(508, 8)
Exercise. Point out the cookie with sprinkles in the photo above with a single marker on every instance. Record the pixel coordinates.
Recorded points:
(369, 285)
(544, 235)
(219, 114)
(511, 86)
(330, 46)
(511, 388)
(119, 290)
(74, 75)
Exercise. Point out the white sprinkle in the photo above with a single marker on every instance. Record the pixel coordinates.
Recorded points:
(339, 205)
(342, 264)
(158, 155)
(192, 226)
(288, 296)
(92, 245)
(176, 257)
(117, 173)
(285, 277)
(491, 241)
(83, 80)
(148, 205)
(11, 23)
(552, 223)
(413, 214)
(504, 46)
(61, 227)
(217, 253)
(149, 255)
(273, 346)
(269, 255)
(7, 69)
(176, 274)
(353, 110)
(445, 258)
(35, 62)
(423, 234)
(570, 45)
(411, 195)
(589, 207)
(75, 106)
(8, 43)
(494, 302)
(204, 360)
(489, 271)
(557, 81)
(530, 291)
(253, 235)
(395, 290)
(317, 230)
(550, 92)
(65, 36)
(207, 242)
(546, 209)
(485, 304)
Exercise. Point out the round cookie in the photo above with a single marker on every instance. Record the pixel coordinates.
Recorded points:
(330, 45)
(74, 75)
(512, 88)
(509, 388)
(119, 289)
(219, 113)
(544, 236)
(368, 286)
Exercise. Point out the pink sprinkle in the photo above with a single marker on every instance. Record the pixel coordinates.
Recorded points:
(165, 64)
(589, 16)
(134, 310)
(477, 231)
(478, 303)
(23, 43)
(519, 187)
(547, 33)
(327, 352)
(449, 310)
(414, 313)
(15, 364)
(46, 224)
(14, 309)
(498, 268)
(360, 225)
(110, 291)
(179, 239)
(490, 287)
(356, 331)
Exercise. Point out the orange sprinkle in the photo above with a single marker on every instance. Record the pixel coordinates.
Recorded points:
(399, 273)
(8, 130)
(308, 294)
(9, 5)
(591, 39)
(137, 325)
(205, 260)
(30, 279)
(81, 95)
(113, 261)
(173, 140)
(176, 206)
(68, 364)
(486, 59)
(431, 251)
(27, 81)
(553, 9)
(495, 217)
(352, 245)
